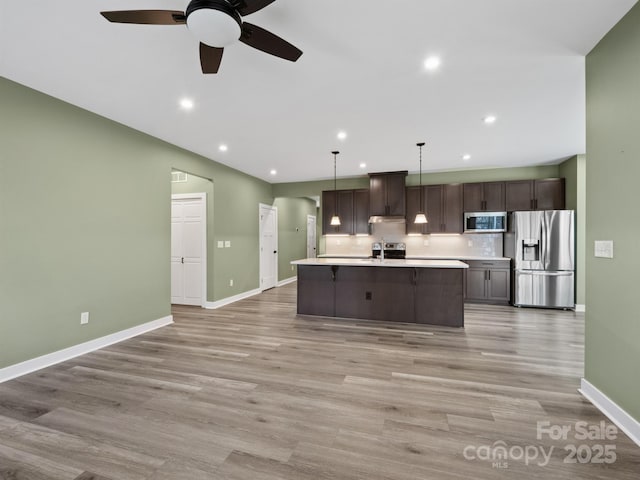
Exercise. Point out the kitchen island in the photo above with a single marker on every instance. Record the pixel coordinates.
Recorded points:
(416, 291)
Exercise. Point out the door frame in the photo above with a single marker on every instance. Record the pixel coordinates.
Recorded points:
(315, 237)
(202, 196)
(274, 209)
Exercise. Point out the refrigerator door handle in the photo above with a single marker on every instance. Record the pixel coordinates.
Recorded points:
(544, 240)
(545, 273)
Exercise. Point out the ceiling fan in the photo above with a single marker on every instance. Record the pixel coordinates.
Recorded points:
(217, 24)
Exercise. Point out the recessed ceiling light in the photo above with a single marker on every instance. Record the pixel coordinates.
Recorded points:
(186, 104)
(490, 119)
(273, 171)
(363, 165)
(342, 135)
(432, 63)
(466, 157)
(223, 148)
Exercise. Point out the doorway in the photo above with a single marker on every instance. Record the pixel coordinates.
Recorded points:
(311, 236)
(268, 218)
(188, 249)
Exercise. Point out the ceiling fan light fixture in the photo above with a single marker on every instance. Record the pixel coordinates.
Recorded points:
(214, 23)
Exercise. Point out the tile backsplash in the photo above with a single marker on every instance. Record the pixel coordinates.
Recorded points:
(466, 245)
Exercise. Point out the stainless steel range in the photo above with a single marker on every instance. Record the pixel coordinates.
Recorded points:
(391, 250)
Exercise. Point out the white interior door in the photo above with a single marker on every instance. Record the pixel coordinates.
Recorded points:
(268, 246)
(188, 249)
(311, 236)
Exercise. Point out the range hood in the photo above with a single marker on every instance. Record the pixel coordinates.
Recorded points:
(387, 197)
(387, 219)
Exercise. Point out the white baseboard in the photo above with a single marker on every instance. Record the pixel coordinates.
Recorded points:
(612, 410)
(286, 281)
(580, 307)
(229, 300)
(29, 366)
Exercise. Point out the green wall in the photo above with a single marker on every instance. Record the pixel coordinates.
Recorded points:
(85, 224)
(574, 173)
(292, 232)
(303, 189)
(612, 350)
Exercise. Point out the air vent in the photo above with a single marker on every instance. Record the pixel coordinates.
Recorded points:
(178, 177)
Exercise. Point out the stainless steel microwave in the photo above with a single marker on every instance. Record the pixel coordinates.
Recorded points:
(485, 222)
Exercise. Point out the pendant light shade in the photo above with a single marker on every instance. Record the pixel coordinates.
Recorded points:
(335, 219)
(420, 216)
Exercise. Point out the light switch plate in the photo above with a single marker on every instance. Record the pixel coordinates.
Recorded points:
(426, 243)
(603, 248)
(227, 244)
(84, 318)
(220, 244)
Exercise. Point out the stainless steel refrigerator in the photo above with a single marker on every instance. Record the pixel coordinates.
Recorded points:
(541, 245)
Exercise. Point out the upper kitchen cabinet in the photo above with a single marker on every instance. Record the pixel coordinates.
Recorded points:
(343, 206)
(549, 194)
(387, 194)
(484, 197)
(361, 211)
(444, 208)
(524, 195)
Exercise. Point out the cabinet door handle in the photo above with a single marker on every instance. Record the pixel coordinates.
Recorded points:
(484, 204)
(488, 274)
(536, 201)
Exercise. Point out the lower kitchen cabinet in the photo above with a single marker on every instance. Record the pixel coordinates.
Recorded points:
(317, 290)
(488, 282)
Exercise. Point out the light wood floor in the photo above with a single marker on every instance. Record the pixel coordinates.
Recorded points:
(252, 392)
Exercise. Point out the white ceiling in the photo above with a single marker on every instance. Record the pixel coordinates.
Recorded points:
(361, 72)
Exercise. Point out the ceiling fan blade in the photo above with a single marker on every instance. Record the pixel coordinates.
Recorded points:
(247, 7)
(210, 58)
(267, 42)
(147, 17)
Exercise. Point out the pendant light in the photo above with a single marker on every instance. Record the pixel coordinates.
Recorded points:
(420, 216)
(335, 220)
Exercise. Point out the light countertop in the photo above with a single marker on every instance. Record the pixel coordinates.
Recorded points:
(455, 257)
(422, 257)
(372, 262)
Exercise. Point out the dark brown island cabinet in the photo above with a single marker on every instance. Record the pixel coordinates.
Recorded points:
(397, 294)
(352, 206)
(544, 194)
(488, 281)
(484, 197)
(387, 194)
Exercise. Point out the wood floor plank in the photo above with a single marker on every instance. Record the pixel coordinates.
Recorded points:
(253, 391)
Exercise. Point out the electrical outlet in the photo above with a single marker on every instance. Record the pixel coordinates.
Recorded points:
(470, 243)
(231, 282)
(220, 244)
(84, 318)
(227, 244)
(292, 268)
(426, 243)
